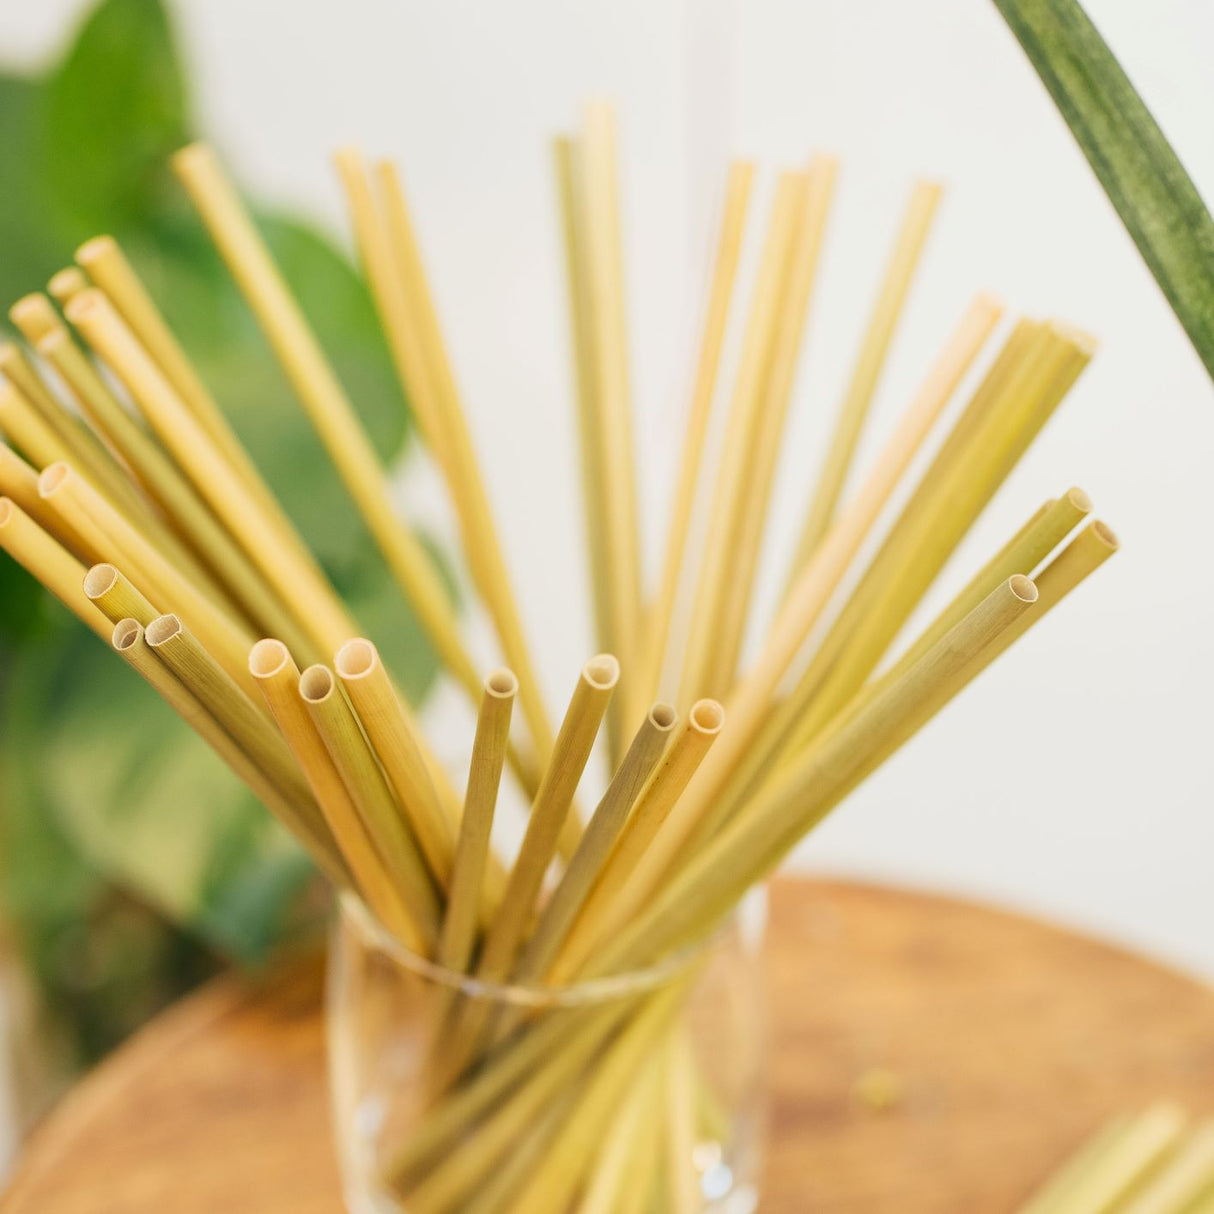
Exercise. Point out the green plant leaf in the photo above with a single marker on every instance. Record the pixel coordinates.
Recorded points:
(1144, 179)
(112, 110)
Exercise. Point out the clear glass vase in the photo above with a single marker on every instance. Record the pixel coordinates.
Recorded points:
(640, 1092)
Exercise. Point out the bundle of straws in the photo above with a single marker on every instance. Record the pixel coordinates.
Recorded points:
(134, 502)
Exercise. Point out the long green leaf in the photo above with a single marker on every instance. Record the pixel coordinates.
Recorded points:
(1141, 174)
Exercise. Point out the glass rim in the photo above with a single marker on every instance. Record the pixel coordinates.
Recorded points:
(581, 993)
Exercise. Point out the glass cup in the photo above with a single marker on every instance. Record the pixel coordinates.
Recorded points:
(640, 1091)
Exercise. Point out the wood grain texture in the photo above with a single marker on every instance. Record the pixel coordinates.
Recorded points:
(1010, 1040)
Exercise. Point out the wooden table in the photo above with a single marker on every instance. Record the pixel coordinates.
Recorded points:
(1010, 1040)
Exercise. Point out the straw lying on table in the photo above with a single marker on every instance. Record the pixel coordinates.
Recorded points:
(148, 520)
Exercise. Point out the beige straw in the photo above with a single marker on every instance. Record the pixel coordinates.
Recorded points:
(108, 267)
(639, 856)
(41, 555)
(338, 728)
(786, 808)
(114, 594)
(296, 579)
(478, 528)
(245, 719)
(732, 481)
(712, 340)
(65, 285)
(869, 362)
(567, 162)
(129, 640)
(271, 664)
(600, 835)
(326, 403)
(747, 540)
(413, 773)
(222, 558)
(108, 537)
(814, 585)
(73, 440)
(472, 852)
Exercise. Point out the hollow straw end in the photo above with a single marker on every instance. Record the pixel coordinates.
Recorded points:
(99, 580)
(1024, 588)
(162, 630)
(268, 657)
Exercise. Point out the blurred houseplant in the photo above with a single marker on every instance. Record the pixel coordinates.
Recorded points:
(131, 861)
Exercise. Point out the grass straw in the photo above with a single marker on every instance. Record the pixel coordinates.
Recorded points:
(567, 164)
(1122, 1162)
(343, 739)
(271, 664)
(329, 409)
(244, 718)
(108, 537)
(129, 641)
(472, 851)
(786, 808)
(1187, 1176)
(223, 559)
(109, 269)
(870, 360)
(40, 554)
(414, 774)
(657, 618)
(639, 854)
(443, 1163)
(20, 482)
(1043, 532)
(391, 302)
(506, 933)
(814, 585)
(73, 441)
(295, 578)
(950, 497)
(746, 542)
(34, 315)
(115, 595)
(611, 1179)
(1062, 1181)
(679, 1090)
(478, 528)
(551, 1188)
(548, 813)
(731, 484)
(66, 284)
(597, 840)
(610, 433)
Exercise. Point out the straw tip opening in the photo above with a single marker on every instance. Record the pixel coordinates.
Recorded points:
(663, 716)
(126, 633)
(502, 683)
(602, 671)
(356, 659)
(52, 477)
(1105, 534)
(94, 247)
(268, 657)
(163, 628)
(316, 684)
(1024, 588)
(707, 716)
(1079, 499)
(98, 580)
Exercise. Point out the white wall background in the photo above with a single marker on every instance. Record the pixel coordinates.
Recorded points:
(1076, 779)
